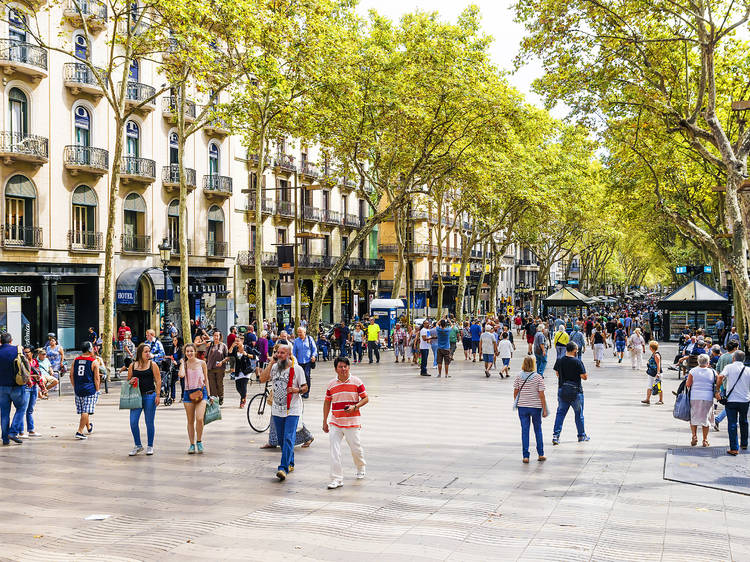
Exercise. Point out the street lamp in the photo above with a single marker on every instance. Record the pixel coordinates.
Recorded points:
(165, 254)
(346, 272)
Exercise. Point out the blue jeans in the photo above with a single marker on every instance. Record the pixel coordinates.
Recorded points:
(33, 394)
(562, 410)
(357, 351)
(541, 363)
(17, 426)
(286, 428)
(720, 418)
(527, 417)
(149, 409)
(434, 354)
(424, 355)
(737, 415)
(16, 395)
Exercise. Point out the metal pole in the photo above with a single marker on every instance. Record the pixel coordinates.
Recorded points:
(297, 291)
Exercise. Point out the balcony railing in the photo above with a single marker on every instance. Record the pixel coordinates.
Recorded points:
(217, 184)
(312, 261)
(136, 243)
(15, 236)
(217, 249)
(331, 217)
(137, 169)
(24, 147)
(352, 220)
(433, 250)
(348, 184)
(267, 207)
(367, 264)
(170, 107)
(86, 8)
(78, 75)
(136, 93)
(85, 240)
(285, 163)
(285, 208)
(422, 284)
(246, 259)
(388, 248)
(86, 158)
(310, 213)
(309, 170)
(419, 249)
(527, 262)
(174, 244)
(418, 215)
(170, 175)
(12, 51)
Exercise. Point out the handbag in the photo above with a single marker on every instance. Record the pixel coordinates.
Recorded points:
(724, 396)
(656, 389)
(130, 395)
(569, 391)
(682, 406)
(213, 411)
(312, 363)
(196, 395)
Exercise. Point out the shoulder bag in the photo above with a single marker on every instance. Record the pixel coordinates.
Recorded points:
(310, 342)
(515, 402)
(724, 398)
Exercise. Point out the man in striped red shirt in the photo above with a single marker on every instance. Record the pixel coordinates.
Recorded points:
(345, 396)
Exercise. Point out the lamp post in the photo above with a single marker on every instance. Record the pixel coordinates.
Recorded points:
(346, 272)
(165, 254)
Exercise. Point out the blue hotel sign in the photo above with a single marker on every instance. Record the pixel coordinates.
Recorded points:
(126, 297)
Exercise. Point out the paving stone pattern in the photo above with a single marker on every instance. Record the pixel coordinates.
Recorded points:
(444, 481)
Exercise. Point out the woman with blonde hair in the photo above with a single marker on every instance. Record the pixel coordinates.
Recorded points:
(528, 394)
(197, 392)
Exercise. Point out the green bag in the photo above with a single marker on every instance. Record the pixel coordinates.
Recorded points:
(213, 411)
(130, 397)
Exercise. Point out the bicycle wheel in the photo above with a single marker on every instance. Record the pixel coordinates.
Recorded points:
(259, 413)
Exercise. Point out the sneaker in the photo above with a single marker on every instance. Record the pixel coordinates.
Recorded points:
(439, 375)
(34, 434)
(135, 451)
(149, 451)
(291, 469)
(716, 426)
(200, 447)
(555, 439)
(221, 401)
(281, 475)
(242, 404)
(486, 373)
(360, 475)
(334, 484)
(191, 450)
(90, 428)
(542, 458)
(79, 435)
(22, 435)
(584, 438)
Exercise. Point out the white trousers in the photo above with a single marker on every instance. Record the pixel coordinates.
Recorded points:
(352, 438)
(636, 357)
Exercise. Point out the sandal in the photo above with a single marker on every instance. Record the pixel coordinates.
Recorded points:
(526, 460)
(705, 443)
(306, 444)
(733, 453)
(268, 446)
(693, 441)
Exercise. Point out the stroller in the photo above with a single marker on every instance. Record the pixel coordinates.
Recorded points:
(167, 376)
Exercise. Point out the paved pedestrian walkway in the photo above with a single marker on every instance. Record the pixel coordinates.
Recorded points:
(444, 482)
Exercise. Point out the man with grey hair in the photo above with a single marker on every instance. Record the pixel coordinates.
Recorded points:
(540, 349)
(736, 381)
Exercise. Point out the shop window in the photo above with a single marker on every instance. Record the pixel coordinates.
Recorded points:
(20, 198)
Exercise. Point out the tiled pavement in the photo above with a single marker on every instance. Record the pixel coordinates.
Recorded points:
(445, 481)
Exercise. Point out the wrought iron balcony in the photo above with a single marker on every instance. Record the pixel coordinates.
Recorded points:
(216, 249)
(419, 249)
(78, 77)
(267, 205)
(284, 163)
(138, 170)
(136, 243)
(347, 184)
(351, 220)
(285, 209)
(331, 217)
(388, 248)
(23, 147)
(367, 264)
(84, 241)
(422, 284)
(308, 171)
(218, 186)
(24, 58)
(310, 213)
(174, 244)
(170, 109)
(85, 159)
(170, 177)
(15, 236)
(217, 127)
(312, 261)
(246, 260)
(137, 93)
(415, 214)
(94, 12)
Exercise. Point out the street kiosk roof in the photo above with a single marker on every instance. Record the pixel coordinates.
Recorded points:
(694, 295)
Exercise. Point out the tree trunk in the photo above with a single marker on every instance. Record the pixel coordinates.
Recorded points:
(465, 253)
(258, 248)
(478, 294)
(399, 222)
(183, 222)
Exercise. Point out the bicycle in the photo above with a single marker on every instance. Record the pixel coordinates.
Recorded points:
(259, 411)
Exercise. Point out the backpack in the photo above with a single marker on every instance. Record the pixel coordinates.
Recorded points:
(651, 366)
(21, 369)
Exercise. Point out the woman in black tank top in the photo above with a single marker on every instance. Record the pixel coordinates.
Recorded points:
(147, 377)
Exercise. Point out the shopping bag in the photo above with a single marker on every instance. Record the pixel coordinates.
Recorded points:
(682, 406)
(213, 411)
(130, 397)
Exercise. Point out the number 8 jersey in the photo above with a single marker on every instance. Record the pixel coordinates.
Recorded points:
(83, 376)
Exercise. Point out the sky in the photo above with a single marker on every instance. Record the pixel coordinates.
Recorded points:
(497, 20)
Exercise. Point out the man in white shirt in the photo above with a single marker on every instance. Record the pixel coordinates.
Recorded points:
(505, 351)
(425, 345)
(736, 379)
(488, 348)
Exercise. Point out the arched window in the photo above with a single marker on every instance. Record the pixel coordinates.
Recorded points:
(215, 244)
(134, 224)
(19, 114)
(84, 217)
(135, 70)
(174, 148)
(82, 126)
(173, 224)
(80, 46)
(133, 139)
(20, 196)
(213, 159)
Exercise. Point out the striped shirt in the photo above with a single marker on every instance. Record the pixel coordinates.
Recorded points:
(529, 395)
(341, 395)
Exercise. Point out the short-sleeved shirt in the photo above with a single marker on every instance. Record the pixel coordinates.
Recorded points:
(539, 341)
(343, 394)
(443, 338)
(724, 360)
(505, 349)
(279, 382)
(373, 331)
(528, 397)
(487, 342)
(424, 332)
(453, 334)
(8, 354)
(740, 391)
(476, 332)
(570, 369)
(703, 383)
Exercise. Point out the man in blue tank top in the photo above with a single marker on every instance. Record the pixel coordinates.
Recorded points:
(84, 376)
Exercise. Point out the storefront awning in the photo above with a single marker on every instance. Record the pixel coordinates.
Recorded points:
(127, 284)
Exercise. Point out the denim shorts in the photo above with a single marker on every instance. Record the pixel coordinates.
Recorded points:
(186, 394)
(506, 361)
(488, 357)
(620, 346)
